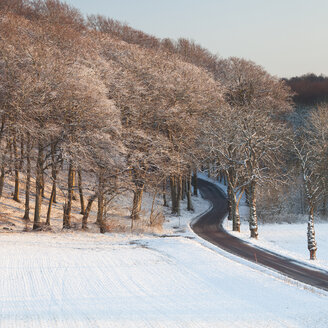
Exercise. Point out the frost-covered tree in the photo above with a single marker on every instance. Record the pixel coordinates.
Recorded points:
(258, 101)
(311, 150)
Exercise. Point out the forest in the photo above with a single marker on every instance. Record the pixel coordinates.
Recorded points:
(309, 89)
(95, 109)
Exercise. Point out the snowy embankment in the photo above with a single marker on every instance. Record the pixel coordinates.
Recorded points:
(287, 239)
(115, 280)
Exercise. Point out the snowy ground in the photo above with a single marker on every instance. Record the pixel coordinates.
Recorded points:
(92, 280)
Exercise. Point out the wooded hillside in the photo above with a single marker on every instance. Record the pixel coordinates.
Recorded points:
(92, 97)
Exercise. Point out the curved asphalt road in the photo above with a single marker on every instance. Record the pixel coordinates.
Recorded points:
(209, 227)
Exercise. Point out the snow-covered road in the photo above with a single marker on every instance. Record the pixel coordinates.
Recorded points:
(90, 280)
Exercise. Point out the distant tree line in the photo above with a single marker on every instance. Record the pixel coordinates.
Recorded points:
(309, 89)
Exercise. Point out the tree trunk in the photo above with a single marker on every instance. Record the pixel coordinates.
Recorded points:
(179, 188)
(236, 221)
(22, 155)
(312, 244)
(68, 202)
(2, 178)
(152, 210)
(175, 197)
(38, 189)
(194, 183)
(190, 207)
(16, 190)
(230, 202)
(252, 210)
(28, 180)
(87, 211)
(247, 196)
(233, 208)
(164, 194)
(73, 184)
(54, 173)
(3, 172)
(100, 212)
(81, 191)
(302, 200)
(42, 185)
(184, 188)
(51, 200)
(137, 201)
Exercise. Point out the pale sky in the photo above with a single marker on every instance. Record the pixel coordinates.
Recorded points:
(286, 37)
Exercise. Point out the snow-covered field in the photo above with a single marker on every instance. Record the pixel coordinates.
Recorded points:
(92, 280)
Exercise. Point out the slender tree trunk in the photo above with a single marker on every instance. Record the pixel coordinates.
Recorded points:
(209, 170)
(80, 191)
(179, 187)
(312, 244)
(252, 213)
(73, 184)
(100, 212)
(164, 194)
(16, 190)
(190, 207)
(54, 184)
(184, 188)
(2, 178)
(87, 211)
(195, 184)
(230, 202)
(54, 173)
(51, 200)
(137, 201)
(175, 196)
(22, 155)
(247, 194)
(152, 210)
(42, 185)
(28, 180)
(236, 221)
(38, 189)
(68, 201)
(301, 201)
(233, 207)
(3, 171)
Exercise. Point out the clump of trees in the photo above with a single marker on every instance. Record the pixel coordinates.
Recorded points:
(94, 97)
(80, 101)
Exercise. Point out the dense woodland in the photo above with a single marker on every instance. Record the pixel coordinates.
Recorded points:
(309, 89)
(92, 97)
